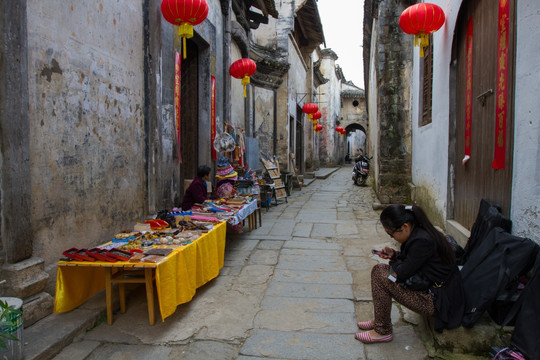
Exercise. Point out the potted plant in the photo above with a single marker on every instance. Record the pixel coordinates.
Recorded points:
(11, 321)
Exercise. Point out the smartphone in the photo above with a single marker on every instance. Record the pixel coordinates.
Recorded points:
(377, 252)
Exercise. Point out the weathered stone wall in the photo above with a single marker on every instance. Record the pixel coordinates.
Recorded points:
(237, 93)
(86, 94)
(393, 65)
(298, 88)
(333, 146)
(526, 174)
(15, 227)
(264, 120)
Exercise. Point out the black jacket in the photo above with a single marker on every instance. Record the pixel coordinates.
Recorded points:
(419, 254)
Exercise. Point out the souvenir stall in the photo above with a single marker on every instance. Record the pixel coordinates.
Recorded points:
(237, 186)
(174, 251)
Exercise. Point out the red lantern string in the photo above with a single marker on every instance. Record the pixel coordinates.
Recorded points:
(243, 69)
(310, 109)
(185, 14)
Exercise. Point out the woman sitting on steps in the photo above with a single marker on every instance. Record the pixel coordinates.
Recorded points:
(422, 276)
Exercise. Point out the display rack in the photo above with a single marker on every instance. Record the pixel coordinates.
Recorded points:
(272, 168)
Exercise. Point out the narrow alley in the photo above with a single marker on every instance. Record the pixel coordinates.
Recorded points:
(292, 289)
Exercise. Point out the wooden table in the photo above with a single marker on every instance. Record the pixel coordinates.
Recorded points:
(176, 277)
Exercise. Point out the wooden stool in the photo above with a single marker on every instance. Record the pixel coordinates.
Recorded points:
(125, 276)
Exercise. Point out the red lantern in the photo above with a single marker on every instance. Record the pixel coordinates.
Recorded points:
(318, 128)
(421, 20)
(185, 14)
(316, 115)
(310, 109)
(243, 69)
(339, 129)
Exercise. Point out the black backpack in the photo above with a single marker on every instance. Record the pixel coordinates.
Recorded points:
(489, 216)
(492, 267)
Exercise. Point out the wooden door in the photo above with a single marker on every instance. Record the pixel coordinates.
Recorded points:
(189, 114)
(476, 179)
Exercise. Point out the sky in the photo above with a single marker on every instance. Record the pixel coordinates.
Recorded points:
(342, 22)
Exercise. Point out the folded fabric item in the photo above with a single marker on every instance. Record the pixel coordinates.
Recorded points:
(225, 170)
(204, 218)
(225, 190)
(233, 175)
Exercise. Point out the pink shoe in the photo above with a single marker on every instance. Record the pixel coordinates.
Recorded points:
(366, 338)
(366, 325)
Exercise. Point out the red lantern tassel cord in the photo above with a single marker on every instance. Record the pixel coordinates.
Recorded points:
(421, 40)
(185, 31)
(245, 81)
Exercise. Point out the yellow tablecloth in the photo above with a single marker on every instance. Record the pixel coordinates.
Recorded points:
(177, 278)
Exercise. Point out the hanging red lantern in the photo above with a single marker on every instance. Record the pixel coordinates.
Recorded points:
(318, 128)
(243, 69)
(316, 115)
(185, 14)
(339, 129)
(421, 20)
(310, 109)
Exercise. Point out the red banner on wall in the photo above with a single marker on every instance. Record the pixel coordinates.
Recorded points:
(468, 92)
(177, 79)
(499, 157)
(213, 119)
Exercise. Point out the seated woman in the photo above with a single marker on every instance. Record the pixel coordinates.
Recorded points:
(197, 191)
(424, 253)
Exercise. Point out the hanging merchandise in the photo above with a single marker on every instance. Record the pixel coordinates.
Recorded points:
(421, 20)
(185, 14)
(224, 142)
(243, 69)
(241, 141)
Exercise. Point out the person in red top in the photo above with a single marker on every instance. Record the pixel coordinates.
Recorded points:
(197, 191)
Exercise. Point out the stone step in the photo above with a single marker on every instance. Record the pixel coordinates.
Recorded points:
(36, 307)
(25, 278)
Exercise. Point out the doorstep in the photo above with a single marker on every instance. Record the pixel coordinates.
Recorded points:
(46, 338)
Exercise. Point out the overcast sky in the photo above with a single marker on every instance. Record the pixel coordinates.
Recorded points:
(342, 22)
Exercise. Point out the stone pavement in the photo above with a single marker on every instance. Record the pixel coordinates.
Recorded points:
(292, 289)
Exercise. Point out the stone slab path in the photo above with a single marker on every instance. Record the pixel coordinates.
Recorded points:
(292, 289)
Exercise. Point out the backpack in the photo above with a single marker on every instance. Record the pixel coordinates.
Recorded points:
(492, 266)
(489, 216)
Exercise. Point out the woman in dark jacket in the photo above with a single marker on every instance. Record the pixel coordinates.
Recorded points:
(197, 191)
(425, 257)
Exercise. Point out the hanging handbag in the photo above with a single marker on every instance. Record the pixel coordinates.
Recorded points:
(418, 282)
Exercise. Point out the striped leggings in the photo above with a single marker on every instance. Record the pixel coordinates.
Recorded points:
(383, 290)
